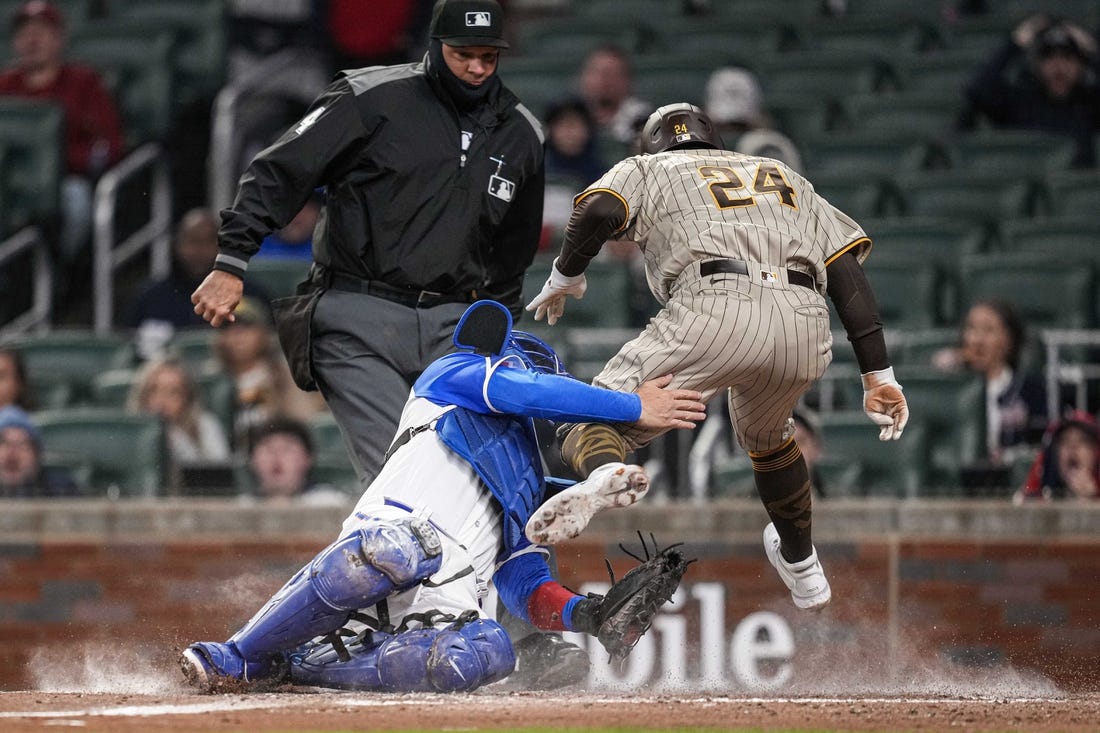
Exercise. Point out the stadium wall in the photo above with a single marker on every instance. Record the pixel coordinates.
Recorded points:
(929, 596)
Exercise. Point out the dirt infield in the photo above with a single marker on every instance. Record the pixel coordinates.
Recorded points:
(331, 711)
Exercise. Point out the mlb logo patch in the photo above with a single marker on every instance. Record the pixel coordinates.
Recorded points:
(479, 19)
(502, 188)
(769, 276)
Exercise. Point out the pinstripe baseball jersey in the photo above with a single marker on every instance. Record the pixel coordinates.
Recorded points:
(690, 205)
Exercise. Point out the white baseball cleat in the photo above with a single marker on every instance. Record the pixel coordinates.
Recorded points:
(806, 578)
(566, 514)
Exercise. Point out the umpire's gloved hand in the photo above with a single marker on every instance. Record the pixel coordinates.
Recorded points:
(551, 301)
(884, 403)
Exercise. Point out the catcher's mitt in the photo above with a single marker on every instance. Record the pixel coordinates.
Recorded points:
(619, 618)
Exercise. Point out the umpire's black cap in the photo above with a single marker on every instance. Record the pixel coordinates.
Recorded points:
(468, 23)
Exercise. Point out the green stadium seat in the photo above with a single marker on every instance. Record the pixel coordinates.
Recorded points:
(895, 469)
(605, 304)
(1021, 153)
(71, 358)
(1066, 237)
(1048, 292)
(1075, 193)
(136, 65)
(862, 155)
(917, 347)
(859, 197)
(822, 76)
(951, 406)
(125, 455)
(328, 441)
(974, 197)
(766, 13)
(893, 9)
(945, 72)
(201, 40)
(983, 33)
(923, 115)
(910, 291)
(665, 79)
(539, 81)
(570, 38)
(277, 276)
(722, 40)
(195, 346)
(935, 239)
(30, 133)
(801, 118)
(339, 475)
(888, 35)
(587, 350)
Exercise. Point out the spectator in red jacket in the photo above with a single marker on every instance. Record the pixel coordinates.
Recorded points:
(1068, 466)
(93, 129)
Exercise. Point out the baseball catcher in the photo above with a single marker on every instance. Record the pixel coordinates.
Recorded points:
(394, 604)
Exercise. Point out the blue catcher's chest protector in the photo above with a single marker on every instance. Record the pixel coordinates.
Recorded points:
(505, 454)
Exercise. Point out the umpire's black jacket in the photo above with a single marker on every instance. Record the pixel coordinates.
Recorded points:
(405, 203)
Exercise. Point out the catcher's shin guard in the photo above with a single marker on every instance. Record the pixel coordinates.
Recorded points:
(460, 657)
(354, 572)
(587, 446)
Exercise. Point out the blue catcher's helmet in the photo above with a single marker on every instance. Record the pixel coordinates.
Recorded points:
(486, 328)
(535, 353)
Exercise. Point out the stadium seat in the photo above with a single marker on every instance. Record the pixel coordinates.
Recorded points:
(936, 239)
(945, 72)
(201, 40)
(30, 133)
(195, 346)
(910, 291)
(1067, 237)
(1049, 292)
(979, 198)
(328, 441)
(889, 35)
(539, 80)
(572, 39)
(924, 115)
(895, 469)
(71, 358)
(917, 347)
(605, 304)
(664, 79)
(862, 155)
(587, 350)
(821, 76)
(982, 33)
(722, 40)
(950, 404)
(1075, 193)
(1021, 153)
(801, 118)
(136, 65)
(857, 196)
(126, 455)
(277, 276)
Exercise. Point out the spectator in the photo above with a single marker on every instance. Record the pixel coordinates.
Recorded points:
(736, 105)
(992, 339)
(246, 350)
(295, 240)
(22, 475)
(378, 34)
(166, 388)
(280, 460)
(163, 306)
(1043, 78)
(14, 388)
(606, 86)
(1068, 466)
(93, 137)
(572, 159)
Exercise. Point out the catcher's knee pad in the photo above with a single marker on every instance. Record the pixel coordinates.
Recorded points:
(466, 656)
(587, 446)
(384, 557)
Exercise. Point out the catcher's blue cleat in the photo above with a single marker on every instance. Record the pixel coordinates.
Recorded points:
(209, 665)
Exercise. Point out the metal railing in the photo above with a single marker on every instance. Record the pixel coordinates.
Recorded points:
(37, 317)
(1077, 370)
(154, 234)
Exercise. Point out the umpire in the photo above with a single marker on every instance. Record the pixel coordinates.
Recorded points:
(432, 174)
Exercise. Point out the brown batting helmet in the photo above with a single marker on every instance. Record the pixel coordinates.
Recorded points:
(679, 125)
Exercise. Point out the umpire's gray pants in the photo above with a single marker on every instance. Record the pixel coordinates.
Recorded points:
(367, 352)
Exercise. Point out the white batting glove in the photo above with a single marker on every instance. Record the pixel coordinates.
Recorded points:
(884, 403)
(551, 301)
